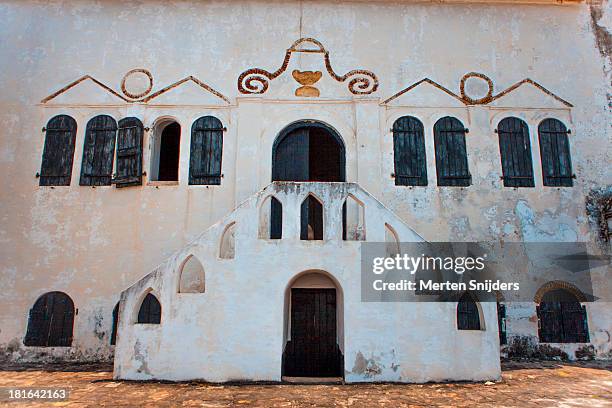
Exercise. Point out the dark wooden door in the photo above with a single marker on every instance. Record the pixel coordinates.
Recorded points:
(290, 158)
(51, 321)
(312, 350)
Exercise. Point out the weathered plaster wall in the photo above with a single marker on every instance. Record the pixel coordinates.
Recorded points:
(202, 336)
(93, 243)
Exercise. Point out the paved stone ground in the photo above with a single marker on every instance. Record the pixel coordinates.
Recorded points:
(542, 384)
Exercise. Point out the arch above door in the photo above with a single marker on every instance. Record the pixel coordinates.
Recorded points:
(309, 150)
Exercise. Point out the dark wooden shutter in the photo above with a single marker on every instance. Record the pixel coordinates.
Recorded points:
(206, 151)
(555, 154)
(98, 152)
(515, 151)
(501, 323)
(58, 153)
(451, 153)
(129, 153)
(113, 339)
(409, 152)
(38, 328)
(291, 157)
(276, 219)
(468, 317)
(150, 310)
(574, 321)
(550, 328)
(51, 321)
(562, 319)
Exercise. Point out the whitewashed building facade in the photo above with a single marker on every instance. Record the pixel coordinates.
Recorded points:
(149, 149)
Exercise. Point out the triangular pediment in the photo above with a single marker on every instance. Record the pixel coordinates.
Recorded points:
(85, 91)
(425, 93)
(187, 91)
(529, 94)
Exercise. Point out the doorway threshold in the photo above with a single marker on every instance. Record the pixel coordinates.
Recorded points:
(313, 380)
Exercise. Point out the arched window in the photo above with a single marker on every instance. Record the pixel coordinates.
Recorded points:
(206, 151)
(311, 219)
(409, 152)
(555, 154)
(165, 151)
(392, 243)
(562, 319)
(468, 315)
(129, 153)
(451, 153)
(353, 219)
(515, 151)
(227, 247)
(58, 153)
(150, 310)
(113, 339)
(271, 219)
(98, 151)
(51, 321)
(192, 278)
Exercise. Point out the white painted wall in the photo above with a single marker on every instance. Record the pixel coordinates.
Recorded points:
(93, 243)
(234, 331)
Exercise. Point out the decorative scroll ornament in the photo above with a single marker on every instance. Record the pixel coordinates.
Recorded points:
(135, 76)
(257, 80)
(480, 99)
(483, 98)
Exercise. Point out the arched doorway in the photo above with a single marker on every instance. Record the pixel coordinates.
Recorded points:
(562, 317)
(307, 150)
(313, 327)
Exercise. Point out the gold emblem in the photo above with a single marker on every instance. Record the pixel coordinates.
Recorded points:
(306, 79)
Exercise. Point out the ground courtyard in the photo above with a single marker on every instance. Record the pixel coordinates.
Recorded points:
(533, 384)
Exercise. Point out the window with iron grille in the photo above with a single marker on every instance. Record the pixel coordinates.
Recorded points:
(58, 153)
(451, 153)
(468, 316)
(98, 151)
(515, 151)
(206, 151)
(51, 321)
(555, 154)
(150, 310)
(409, 152)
